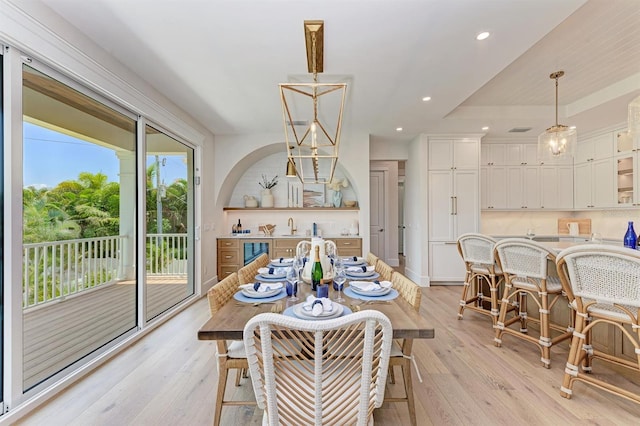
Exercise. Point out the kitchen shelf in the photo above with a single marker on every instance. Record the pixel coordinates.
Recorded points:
(286, 209)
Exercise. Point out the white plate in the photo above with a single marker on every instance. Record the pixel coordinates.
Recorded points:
(299, 311)
(260, 294)
(271, 277)
(360, 273)
(351, 262)
(380, 292)
(276, 264)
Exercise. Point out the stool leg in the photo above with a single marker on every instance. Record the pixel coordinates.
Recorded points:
(465, 292)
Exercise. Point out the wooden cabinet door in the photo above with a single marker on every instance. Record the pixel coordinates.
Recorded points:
(530, 187)
(441, 206)
(582, 185)
(466, 202)
(603, 183)
(514, 188)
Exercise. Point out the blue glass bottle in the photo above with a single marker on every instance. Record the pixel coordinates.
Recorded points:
(630, 237)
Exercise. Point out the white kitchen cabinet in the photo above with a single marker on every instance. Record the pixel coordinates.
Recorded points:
(627, 188)
(522, 154)
(493, 187)
(445, 263)
(452, 154)
(454, 204)
(556, 187)
(493, 154)
(523, 187)
(593, 184)
(594, 148)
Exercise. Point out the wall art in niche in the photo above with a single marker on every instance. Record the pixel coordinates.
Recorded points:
(313, 195)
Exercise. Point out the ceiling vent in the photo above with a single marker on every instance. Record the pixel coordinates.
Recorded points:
(520, 129)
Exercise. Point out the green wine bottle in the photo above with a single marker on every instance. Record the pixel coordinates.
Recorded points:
(316, 271)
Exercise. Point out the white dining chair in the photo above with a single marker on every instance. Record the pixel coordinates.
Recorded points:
(330, 372)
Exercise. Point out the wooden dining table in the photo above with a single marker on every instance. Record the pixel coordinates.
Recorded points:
(228, 323)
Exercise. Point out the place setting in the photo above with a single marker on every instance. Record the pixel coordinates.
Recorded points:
(282, 262)
(354, 261)
(371, 290)
(314, 308)
(260, 292)
(271, 274)
(363, 272)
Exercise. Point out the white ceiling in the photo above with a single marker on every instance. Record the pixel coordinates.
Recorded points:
(221, 60)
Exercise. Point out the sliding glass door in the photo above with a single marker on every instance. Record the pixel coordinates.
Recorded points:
(169, 222)
(79, 217)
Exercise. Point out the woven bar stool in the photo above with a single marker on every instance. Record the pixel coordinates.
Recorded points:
(602, 284)
(477, 252)
(525, 264)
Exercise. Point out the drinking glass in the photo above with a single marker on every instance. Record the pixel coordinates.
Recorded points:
(298, 265)
(596, 238)
(338, 284)
(292, 284)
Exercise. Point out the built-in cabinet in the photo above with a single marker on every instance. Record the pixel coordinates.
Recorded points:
(594, 173)
(511, 178)
(454, 203)
(627, 182)
(230, 250)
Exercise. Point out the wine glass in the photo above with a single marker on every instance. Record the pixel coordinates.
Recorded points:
(292, 284)
(338, 283)
(298, 265)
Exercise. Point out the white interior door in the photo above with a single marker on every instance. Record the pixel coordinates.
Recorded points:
(377, 212)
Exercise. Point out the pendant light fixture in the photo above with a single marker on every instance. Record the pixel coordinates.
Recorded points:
(312, 116)
(558, 140)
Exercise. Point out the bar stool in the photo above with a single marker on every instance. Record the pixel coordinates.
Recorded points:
(601, 283)
(477, 252)
(525, 264)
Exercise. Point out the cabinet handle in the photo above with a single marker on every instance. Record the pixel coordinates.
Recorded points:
(451, 206)
(455, 203)
(346, 243)
(228, 257)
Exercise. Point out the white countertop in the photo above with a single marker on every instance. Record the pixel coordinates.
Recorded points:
(256, 236)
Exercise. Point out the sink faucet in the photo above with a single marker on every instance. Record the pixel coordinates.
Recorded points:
(291, 228)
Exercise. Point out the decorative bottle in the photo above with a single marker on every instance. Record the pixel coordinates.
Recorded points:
(239, 227)
(630, 238)
(316, 271)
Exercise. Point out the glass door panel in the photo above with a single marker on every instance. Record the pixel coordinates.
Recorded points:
(625, 180)
(79, 177)
(169, 239)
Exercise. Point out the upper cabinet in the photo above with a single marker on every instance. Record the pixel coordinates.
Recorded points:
(522, 154)
(448, 154)
(595, 148)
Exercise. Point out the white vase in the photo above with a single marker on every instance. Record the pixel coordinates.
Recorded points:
(267, 198)
(337, 198)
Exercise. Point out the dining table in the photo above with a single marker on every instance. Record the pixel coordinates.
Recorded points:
(228, 323)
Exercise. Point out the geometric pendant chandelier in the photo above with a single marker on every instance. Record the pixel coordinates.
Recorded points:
(312, 116)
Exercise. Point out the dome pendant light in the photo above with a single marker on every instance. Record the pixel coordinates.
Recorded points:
(558, 140)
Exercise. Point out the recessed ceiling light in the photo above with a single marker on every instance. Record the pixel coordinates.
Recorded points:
(398, 129)
(483, 35)
(485, 128)
(426, 99)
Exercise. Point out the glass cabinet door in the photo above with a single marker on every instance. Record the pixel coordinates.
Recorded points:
(624, 142)
(625, 180)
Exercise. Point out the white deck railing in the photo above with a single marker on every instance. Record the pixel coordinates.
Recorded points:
(54, 270)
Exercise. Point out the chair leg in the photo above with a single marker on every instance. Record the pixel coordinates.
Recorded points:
(239, 373)
(222, 384)
(545, 331)
(408, 388)
(465, 293)
(573, 360)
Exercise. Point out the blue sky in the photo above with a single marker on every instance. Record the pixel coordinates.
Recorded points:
(51, 157)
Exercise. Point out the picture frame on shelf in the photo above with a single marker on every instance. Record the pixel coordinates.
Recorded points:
(313, 195)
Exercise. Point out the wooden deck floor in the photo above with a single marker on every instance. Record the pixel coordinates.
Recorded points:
(63, 332)
(169, 378)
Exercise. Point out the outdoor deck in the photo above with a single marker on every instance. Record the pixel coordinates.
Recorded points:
(62, 332)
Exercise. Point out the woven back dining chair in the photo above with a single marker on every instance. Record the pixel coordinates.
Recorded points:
(525, 267)
(230, 354)
(371, 259)
(401, 349)
(603, 286)
(247, 274)
(482, 275)
(298, 381)
(384, 270)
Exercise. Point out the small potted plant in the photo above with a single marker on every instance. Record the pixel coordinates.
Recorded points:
(266, 184)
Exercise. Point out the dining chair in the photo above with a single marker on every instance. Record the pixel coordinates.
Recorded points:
(384, 270)
(313, 386)
(411, 292)
(477, 252)
(525, 267)
(303, 248)
(602, 285)
(230, 354)
(247, 274)
(371, 259)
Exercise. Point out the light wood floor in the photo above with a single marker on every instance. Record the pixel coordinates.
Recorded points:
(169, 378)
